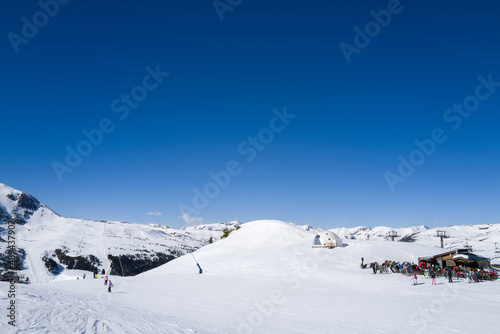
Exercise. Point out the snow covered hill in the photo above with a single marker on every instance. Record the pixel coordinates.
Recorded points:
(265, 278)
(47, 243)
(285, 247)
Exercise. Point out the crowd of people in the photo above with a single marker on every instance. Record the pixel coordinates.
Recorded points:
(431, 271)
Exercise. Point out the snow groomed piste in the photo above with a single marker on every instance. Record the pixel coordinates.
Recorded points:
(264, 278)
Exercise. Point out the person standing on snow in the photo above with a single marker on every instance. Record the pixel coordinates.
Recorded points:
(106, 280)
(433, 276)
(110, 285)
(414, 279)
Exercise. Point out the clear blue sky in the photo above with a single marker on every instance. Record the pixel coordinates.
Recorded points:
(326, 168)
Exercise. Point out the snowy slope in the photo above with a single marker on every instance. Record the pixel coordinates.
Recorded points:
(50, 309)
(283, 246)
(40, 231)
(266, 278)
(481, 238)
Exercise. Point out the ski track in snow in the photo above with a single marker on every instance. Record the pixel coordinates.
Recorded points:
(50, 310)
(101, 249)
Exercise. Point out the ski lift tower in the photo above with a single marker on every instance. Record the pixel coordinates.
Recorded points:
(442, 235)
(392, 234)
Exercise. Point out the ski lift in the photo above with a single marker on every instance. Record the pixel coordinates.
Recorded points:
(392, 234)
(442, 234)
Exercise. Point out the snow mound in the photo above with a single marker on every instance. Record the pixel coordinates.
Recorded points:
(269, 248)
(266, 233)
(258, 248)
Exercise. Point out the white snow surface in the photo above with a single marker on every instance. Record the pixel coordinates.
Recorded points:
(264, 278)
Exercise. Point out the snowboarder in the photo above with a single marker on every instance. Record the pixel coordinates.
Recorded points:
(110, 285)
(106, 280)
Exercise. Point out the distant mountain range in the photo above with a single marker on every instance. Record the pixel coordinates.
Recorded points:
(47, 244)
(481, 238)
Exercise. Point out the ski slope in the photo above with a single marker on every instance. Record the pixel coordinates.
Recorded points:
(50, 309)
(264, 278)
(40, 231)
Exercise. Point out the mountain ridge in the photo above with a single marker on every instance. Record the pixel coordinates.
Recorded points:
(48, 243)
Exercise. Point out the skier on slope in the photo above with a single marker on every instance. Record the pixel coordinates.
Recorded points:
(106, 280)
(414, 280)
(110, 285)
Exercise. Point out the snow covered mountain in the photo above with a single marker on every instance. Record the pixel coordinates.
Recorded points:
(481, 238)
(46, 243)
(379, 232)
(484, 239)
(20, 207)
